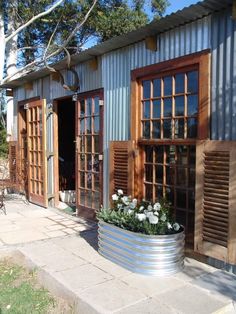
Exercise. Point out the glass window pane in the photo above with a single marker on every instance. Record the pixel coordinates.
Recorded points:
(82, 108)
(181, 198)
(156, 109)
(191, 200)
(96, 163)
(192, 105)
(89, 199)
(169, 195)
(148, 173)
(149, 154)
(146, 89)
(146, 110)
(192, 128)
(146, 129)
(179, 128)
(89, 161)
(82, 197)
(181, 217)
(159, 192)
(89, 143)
(89, 125)
(96, 125)
(82, 179)
(167, 107)
(192, 155)
(182, 155)
(156, 132)
(96, 105)
(89, 111)
(179, 83)
(148, 192)
(96, 144)
(191, 177)
(157, 88)
(170, 175)
(167, 132)
(89, 180)
(167, 85)
(159, 174)
(96, 182)
(181, 176)
(179, 106)
(192, 82)
(159, 154)
(82, 126)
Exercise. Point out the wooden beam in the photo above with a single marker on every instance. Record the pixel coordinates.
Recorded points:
(151, 43)
(234, 10)
(93, 64)
(28, 86)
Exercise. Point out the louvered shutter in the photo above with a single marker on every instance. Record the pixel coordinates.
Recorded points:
(12, 156)
(215, 219)
(121, 167)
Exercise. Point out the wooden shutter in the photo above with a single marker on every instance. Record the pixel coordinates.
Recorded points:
(12, 156)
(215, 219)
(121, 167)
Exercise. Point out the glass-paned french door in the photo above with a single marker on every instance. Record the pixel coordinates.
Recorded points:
(89, 151)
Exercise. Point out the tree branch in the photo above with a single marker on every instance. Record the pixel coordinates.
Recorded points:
(34, 18)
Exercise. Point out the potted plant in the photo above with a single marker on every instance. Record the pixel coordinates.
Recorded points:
(141, 237)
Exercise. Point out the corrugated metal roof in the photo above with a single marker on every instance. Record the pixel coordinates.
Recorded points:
(181, 17)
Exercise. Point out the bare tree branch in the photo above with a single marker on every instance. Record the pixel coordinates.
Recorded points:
(57, 51)
(34, 18)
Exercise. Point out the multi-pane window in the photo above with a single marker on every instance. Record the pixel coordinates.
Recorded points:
(170, 106)
(169, 172)
(88, 152)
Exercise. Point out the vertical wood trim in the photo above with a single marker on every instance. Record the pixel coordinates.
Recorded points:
(204, 97)
(44, 154)
(56, 153)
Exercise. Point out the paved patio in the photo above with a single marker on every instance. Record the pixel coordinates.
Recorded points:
(64, 250)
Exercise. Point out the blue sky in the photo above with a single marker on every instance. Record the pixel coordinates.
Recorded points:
(176, 5)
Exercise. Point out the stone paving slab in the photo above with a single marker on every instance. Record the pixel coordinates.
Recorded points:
(64, 249)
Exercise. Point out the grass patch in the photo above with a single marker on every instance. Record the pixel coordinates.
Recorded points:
(21, 294)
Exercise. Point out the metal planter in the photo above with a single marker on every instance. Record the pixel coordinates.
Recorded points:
(159, 255)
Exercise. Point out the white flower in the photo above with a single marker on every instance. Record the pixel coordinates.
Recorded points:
(163, 217)
(149, 214)
(125, 200)
(176, 226)
(156, 213)
(130, 212)
(149, 208)
(141, 208)
(157, 206)
(115, 197)
(153, 219)
(126, 208)
(132, 205)
(169, 225)
(120, 192)
(135, 201)
(140, 217)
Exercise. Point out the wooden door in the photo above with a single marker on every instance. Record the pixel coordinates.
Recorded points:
(36, 152)
(89, 148)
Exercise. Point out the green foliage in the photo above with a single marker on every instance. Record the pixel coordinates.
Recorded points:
(143, 217)
(3, 142)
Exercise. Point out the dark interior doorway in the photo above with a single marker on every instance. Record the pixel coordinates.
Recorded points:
(66, 144)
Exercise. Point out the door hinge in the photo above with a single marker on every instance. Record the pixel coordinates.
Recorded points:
(26, 106)
(100, 157)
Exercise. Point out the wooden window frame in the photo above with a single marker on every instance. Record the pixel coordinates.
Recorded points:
(199, 61)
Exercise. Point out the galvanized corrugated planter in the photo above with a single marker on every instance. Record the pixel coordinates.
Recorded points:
(148, 255)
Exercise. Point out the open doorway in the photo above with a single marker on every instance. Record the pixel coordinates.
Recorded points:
(66, 151)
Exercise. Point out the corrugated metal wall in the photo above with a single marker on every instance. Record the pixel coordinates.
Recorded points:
(223, 112)
(116, 68)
